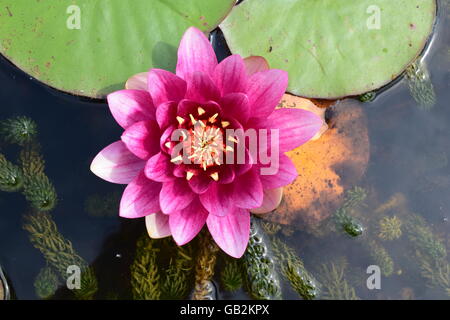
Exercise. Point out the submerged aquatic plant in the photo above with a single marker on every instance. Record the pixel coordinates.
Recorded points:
(46, 283)
(420, 85)
(58, 252)
(31, 161)
(294, 270)
(40, 192)
(381, 258)
(103, 205)
(176, 139)
(204, 270)
(144, 271)
(11, 177)
(231, 275)
(262, 277)
(390, 228)
(347, 224)
(18, 130)
(334, 284)
(368, 96)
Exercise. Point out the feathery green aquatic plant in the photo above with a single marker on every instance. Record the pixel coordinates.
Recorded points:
(270, 228)
(294, 270)
(177, 277)
(40, 192)
(204, 270)
(262, 277)
(346, 223)
(144, 270)
(390, 228)
(423, 238)
(334, 284)
(381, 258)
(58, 252)
(31, 161)
(396, 201)
(103, 205)
(368, 96)
(46, 283)
(420, 85)
(18, 130)
(354, 196)
(436, 273)
(231, 275)
(11, 177)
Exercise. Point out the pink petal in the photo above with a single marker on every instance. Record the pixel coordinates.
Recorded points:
(140, 198)
(296, 126)
(232, 232)
(187, 223)
(137, 82)
(195, 54)
(285, 174)
(200, 183)
(265, 90)
(226, 174)
(255, 64)
(218, 200)
(166, 113)
(165, 86)
(117, 164)
(272, 199)
(142, 139)
(248, 190)
(236, 105)
(175, 196)
(131, 106)
(157, 225)
(159, 168)
(201, 88)
(230, 76)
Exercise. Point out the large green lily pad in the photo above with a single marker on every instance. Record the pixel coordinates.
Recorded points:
(116, 39)
(332, 48)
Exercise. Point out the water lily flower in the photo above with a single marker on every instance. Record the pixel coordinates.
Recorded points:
(202, 100)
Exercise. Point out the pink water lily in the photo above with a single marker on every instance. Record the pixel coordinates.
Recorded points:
(179, 198)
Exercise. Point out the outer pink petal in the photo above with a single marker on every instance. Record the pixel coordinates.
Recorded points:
(248, 190)
(137, 82)
(195, 54)
(272, 199)
(255, 64)
(157, 225)
(236, 105)
(265, 90)
(218, 200)
(285, 174)
(202, 89)
(166, 113)
(142, 139)
(159, 168)
(131, 106)
(232, 232)
(117, 164)
(296, 127)
(187, 223)
(175, 196)
(140, 198)
(230, 75)
(165, 86)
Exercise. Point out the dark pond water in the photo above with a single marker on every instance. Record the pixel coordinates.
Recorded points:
(407, 182)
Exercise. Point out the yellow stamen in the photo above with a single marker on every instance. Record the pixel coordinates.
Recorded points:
(180, 120)
(167, 144)
(225, 124)
(229, 148)
(192, 119)
(213, 118)
(201, 111)
(189, 175)
(233, 139)
(176, 159)
(202, 124)
(215, 176)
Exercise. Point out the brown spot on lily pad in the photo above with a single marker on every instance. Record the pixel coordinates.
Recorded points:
(326, 168)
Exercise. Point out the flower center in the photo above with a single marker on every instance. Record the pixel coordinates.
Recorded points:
(204, 141)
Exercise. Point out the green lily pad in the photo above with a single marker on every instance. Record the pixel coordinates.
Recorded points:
(332, 48)
(91, 47)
